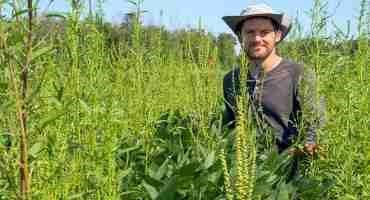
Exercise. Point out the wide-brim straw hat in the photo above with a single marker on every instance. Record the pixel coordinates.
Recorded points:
(259, 10)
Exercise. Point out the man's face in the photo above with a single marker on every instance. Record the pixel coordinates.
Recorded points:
(259, 37)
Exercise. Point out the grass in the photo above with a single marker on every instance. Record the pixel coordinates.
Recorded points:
(139, 119)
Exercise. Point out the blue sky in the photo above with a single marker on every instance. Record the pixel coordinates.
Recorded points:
(185, 13)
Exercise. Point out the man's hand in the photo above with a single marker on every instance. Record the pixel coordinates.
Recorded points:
(311, 148)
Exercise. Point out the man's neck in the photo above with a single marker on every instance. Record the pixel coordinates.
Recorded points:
(268, 63)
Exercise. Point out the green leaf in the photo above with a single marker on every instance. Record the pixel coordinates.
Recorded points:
(153, 182)
(312, 187)
(35, 149)
(76, 196)
(188, 170)
(20, 12)
(285, 191)
(209, 160)
(272, 178)
(84, 106)
(169, 190)
(124, 173)
(161, 170)
(153, 193)
(6, 139)
(132, 2)
(122, 151)
(265, 182)
(56, 15)
(349, 197)
(39, 52)
(52, 117)
(80, 195)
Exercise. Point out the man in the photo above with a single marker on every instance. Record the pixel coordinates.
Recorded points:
(282, 92)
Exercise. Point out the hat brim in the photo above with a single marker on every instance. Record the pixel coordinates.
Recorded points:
(234, 22)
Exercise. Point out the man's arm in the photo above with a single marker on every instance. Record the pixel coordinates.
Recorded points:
(313, 108)
(229, 99)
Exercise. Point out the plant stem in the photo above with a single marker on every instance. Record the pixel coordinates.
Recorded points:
(24, 172)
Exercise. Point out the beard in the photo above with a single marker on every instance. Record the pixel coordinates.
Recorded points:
(258, 52)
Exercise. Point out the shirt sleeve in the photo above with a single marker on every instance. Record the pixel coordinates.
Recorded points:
(313, 106)
(229, 101)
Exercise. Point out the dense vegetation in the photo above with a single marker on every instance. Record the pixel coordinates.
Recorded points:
(93, 110)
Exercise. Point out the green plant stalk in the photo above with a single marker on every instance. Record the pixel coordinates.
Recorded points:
(319, 17)
(227, 181)
(241, 183)
(250, 152)
(24, 171)
(245, 153)
(18, 101)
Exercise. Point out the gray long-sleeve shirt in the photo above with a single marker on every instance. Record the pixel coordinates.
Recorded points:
(284, 99)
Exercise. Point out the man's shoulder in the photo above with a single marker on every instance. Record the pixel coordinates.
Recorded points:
(300, 68)
(294, 68)
(300, 72)
(293, 65)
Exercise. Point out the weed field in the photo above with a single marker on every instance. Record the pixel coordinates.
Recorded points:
(93, 110)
